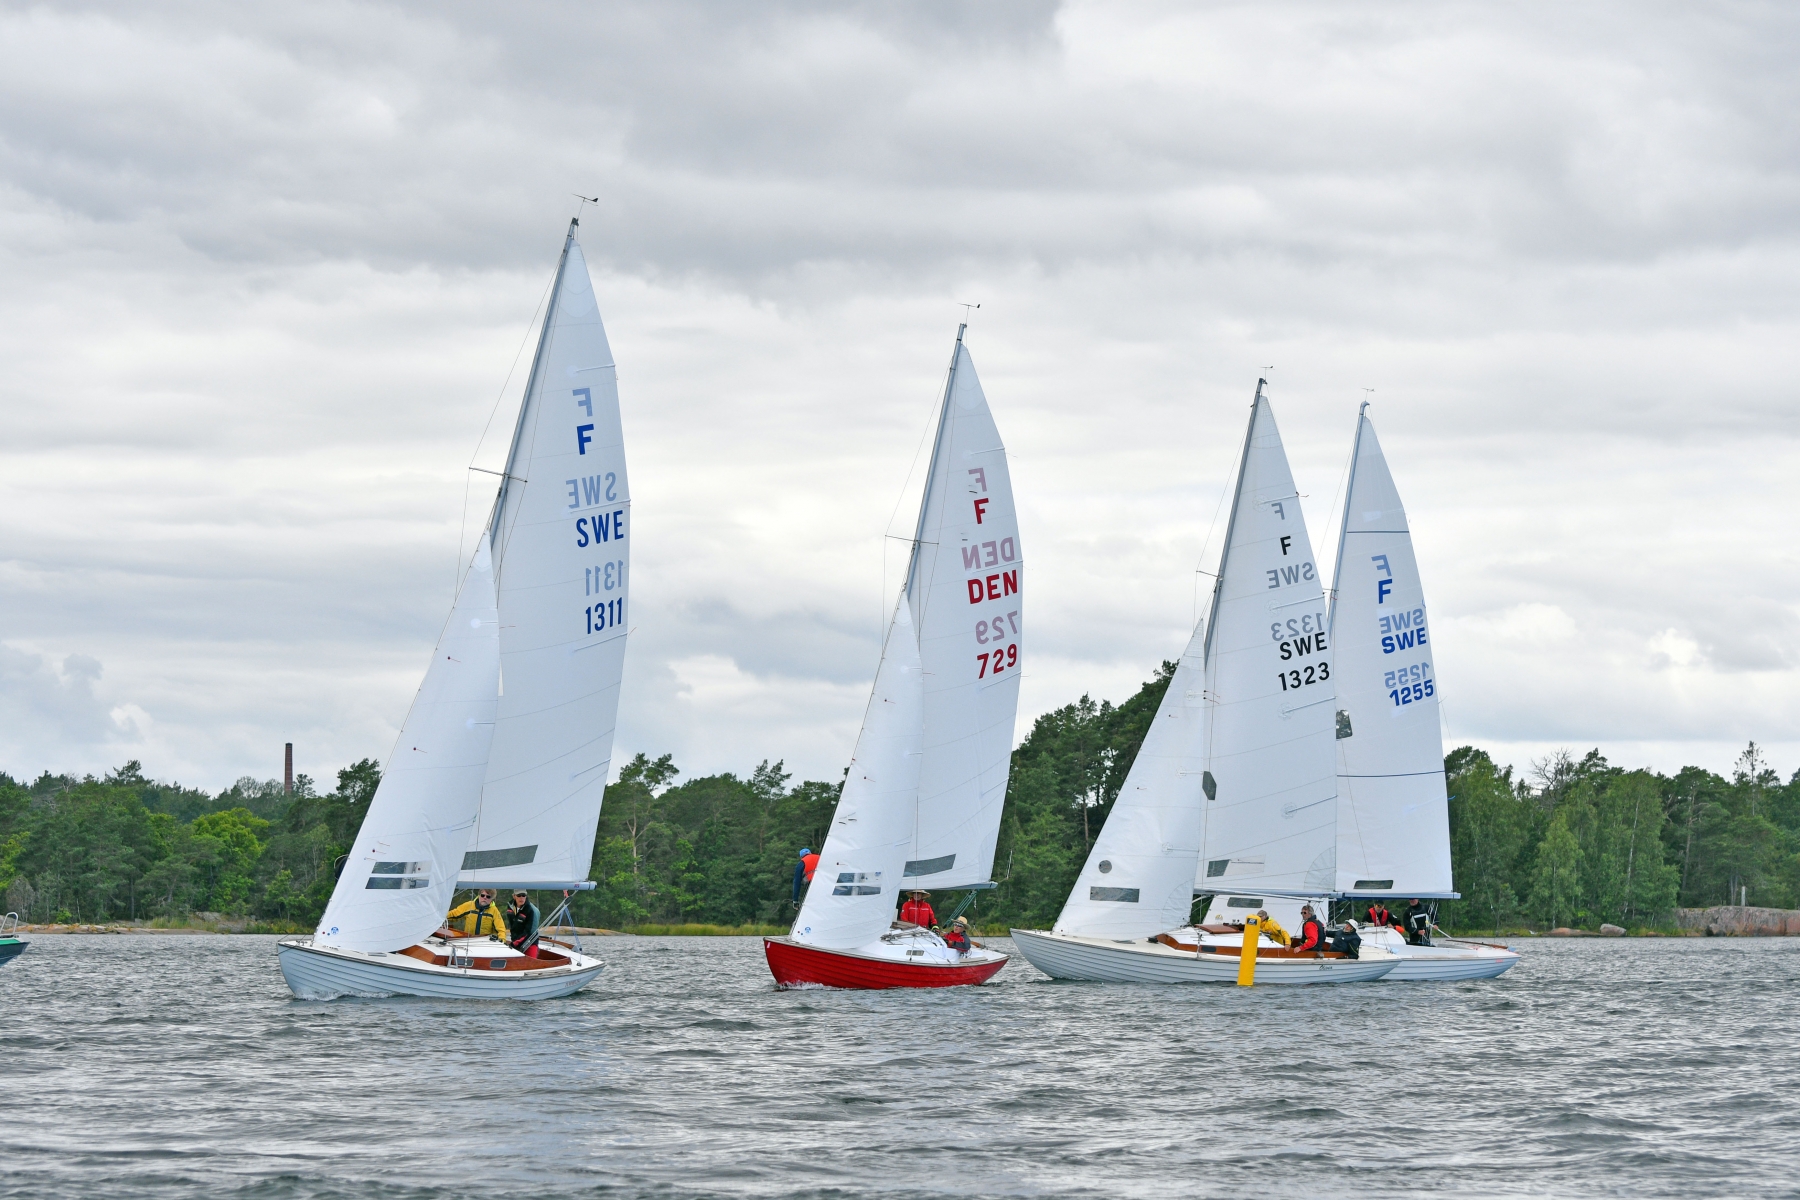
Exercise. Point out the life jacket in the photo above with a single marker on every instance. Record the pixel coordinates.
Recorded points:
(919, 913)
(1312, 935)
(1379, 915)
(809, 864)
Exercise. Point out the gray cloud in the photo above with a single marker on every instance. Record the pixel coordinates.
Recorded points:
(268, 269)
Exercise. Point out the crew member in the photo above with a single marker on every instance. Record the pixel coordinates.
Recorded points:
(1418, 923)
(957, 936)
(1271, 928)
(1312, 932)
(481, 917)
(1379, 914)
(522, 920)
(1346, 940)
(803, 871)
(918, 911)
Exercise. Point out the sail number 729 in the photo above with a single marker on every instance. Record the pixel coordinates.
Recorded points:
(997, 660)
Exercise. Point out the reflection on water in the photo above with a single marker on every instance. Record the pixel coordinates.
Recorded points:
(139, 1065)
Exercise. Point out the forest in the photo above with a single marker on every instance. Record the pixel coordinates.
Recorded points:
(1566, 842)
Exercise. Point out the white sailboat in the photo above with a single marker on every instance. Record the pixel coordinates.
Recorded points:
(921, 805)
(1393, 821)
(1234, 782)
(499, 772)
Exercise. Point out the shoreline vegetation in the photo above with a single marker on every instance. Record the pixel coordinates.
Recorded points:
(1566, 844)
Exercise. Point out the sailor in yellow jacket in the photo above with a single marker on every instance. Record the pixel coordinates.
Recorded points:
(1271, 927)
(479, 917)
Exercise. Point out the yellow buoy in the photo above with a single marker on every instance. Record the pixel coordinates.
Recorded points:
(1247, 957)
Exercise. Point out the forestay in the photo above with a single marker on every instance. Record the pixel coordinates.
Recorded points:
(965, 585)
(561, 529)
(857, 883)
(1139, 877)
(1393, 821)
(401, 871)
(1270, 782)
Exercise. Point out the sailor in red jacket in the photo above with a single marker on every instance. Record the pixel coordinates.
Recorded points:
(918, 911)
(1312, 931)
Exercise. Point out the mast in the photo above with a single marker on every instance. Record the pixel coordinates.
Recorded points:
(937, 446)
(1225, 551)
(1337, 566)
(537, 362)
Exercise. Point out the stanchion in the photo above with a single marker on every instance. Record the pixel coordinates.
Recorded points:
(1247, 957)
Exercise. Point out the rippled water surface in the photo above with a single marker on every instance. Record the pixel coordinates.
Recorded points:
(151, 1066)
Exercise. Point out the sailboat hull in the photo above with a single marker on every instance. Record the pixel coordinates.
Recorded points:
(327, 972)
(1445, 961)
(797, 965)
(11, 948)
(1103, 960)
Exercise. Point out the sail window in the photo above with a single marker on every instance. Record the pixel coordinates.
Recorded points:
(1106, 866)
(930, 866)
(1118, 895)
(1208, 786)
(1244, 902)
(399, 868)
(1376, 885)
(485, 860)
(394, 883)
(858, 883)
(1343, 724)
(1216, 867)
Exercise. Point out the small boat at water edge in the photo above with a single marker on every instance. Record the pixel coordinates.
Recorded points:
(497, 777)
(900, 958)
(11, 945)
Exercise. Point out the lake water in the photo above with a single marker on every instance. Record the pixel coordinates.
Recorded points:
(175, 1066)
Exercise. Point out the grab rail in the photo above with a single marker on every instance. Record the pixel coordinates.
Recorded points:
(9, 924)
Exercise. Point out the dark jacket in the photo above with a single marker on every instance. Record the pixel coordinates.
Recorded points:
(1418, 924)
(1312, 935)
(523, 922)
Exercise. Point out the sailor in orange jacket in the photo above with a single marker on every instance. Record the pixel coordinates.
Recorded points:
(803, 871)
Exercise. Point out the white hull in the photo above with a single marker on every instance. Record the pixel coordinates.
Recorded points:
(1103, 960)
(326, 972)
(1448, 960)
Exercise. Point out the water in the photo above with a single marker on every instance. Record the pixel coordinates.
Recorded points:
(163, 1066)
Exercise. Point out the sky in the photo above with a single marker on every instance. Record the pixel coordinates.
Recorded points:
(268, 272)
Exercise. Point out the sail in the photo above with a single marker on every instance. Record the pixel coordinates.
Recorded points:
(1393, 819)
(1270, 782)
(856, 887)
(964, 585)
(561, 531)
(401, 872)
(1139, 876)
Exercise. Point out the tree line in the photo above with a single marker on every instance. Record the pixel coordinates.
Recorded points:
(1568, 842)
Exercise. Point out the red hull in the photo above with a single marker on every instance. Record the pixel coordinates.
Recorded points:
(794, 965)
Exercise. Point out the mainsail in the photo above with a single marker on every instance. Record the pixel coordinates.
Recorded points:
(964, 586)
(401, 871)
(1393, 821)
(1139, 876)
(856, 887)
(561, 529)
(1270, 779)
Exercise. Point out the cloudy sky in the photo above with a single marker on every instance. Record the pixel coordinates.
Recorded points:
(268, 269)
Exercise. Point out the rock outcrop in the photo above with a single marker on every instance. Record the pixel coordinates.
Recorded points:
(1731, 920)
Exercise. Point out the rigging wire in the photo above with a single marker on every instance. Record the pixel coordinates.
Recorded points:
(462, 531)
